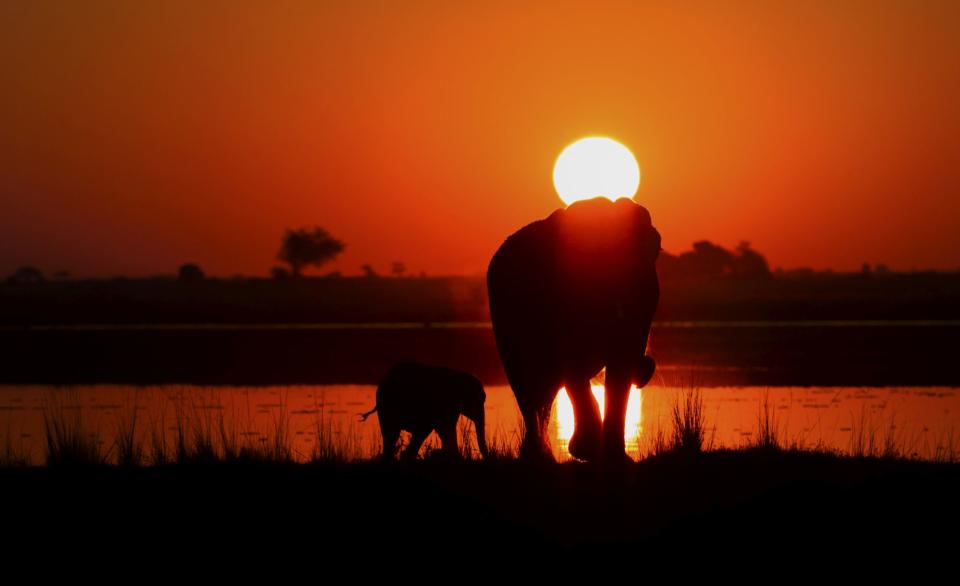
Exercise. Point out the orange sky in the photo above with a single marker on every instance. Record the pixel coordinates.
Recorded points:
(134, 138)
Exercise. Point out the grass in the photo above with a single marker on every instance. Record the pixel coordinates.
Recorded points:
(129, 451)
(503, 444)
(14, 451)
(195, 428)
(273, 445)
(875, 434)
(160, 451)
(768, 435)
(67, 441)
(689, 424)
(195, 431)
(334, 443)
(864, 440)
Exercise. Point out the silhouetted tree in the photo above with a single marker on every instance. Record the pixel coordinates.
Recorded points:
(190, 272)
(368, 271)
(279, 273)
(398, 268)
(749, 263)
(25, 275)
(307, 246)
(706, 260)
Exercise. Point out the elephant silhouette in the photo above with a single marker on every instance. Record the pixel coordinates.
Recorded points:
(420, 398)
(569, 295)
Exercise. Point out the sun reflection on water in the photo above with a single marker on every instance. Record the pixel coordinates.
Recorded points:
(563, 418)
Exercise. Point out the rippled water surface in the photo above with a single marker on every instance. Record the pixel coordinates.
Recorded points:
(318, 420)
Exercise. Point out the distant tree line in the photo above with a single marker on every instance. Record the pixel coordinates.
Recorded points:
(25, 275)
(710, 261)
(305, 247)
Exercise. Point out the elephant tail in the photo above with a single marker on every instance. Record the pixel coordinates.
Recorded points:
(363, 416)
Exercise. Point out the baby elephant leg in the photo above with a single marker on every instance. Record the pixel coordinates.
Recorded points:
(416, 440)
(390, 434)
(448, 439)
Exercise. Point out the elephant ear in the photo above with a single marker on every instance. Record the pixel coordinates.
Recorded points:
(653, 243)
(641, 214)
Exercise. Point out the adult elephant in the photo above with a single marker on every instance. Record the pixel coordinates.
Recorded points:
(569, 295)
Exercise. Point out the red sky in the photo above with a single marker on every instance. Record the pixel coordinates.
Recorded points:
(134, 138)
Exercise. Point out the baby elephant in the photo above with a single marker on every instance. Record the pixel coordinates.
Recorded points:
(420, 398)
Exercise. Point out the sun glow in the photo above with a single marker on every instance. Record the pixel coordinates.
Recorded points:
(595, 166)
(632, 430)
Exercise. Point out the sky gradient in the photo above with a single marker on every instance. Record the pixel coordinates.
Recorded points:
(135, 138)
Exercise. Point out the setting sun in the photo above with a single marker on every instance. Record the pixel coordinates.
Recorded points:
(595, 166)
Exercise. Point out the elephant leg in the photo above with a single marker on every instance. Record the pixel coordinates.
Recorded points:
(448, 439)
(390, 434)
(417, 438)
(536, 417)
(617, 387)
(587, 440)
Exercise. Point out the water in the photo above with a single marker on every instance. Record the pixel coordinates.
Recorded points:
(917, 421)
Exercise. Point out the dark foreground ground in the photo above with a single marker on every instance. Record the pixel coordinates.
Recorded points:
(725, 512)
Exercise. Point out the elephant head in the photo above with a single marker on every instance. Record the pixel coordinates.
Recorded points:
(569, 295)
